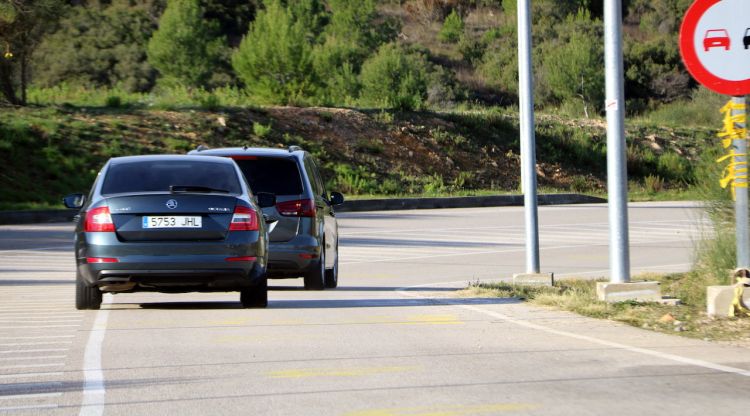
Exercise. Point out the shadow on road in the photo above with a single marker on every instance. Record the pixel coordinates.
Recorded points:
(324, 303)
(34, 282)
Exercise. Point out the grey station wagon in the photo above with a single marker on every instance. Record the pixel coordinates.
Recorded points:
(304, 242)
(170, 224)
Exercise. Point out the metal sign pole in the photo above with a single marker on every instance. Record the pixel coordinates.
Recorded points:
(528, 141)
(617, 176)
(740, 189)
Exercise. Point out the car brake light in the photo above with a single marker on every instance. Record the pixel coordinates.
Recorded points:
(243, 258)
(101, 260)
(99, 220)
(298, 208)
(244, 219)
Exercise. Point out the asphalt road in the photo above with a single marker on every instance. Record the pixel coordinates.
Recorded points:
(390, 341)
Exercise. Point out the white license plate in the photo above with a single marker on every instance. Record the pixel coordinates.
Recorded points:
(172, 222)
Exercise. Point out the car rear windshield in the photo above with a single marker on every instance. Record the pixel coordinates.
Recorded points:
(159, 176)
(273, 175)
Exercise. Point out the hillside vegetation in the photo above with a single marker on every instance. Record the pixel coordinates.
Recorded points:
(395, 97)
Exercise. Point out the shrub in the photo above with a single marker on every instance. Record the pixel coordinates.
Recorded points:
(261, 130)
(653, 184)
(395, 78)
(113, 101)
(674, 166)
(453, 28)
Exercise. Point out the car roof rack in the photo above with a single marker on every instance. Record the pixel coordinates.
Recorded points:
(201, 148)
(294, 148)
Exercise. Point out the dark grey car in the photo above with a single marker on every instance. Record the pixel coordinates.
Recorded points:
(304, 242)
(170, 224)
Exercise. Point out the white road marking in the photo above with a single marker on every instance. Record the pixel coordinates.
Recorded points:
(30, 396)
(45, 357)
(18, 344)
(93, 377)
(39, 337)
(404, 291)
(8, 367)
(37, 350)
(29, 407)
(37, 326)
(28, 375)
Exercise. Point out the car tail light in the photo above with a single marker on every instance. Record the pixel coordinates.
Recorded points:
(243, 258)
(99, 220)
(101, 260)
(298, 208)
(244, 219)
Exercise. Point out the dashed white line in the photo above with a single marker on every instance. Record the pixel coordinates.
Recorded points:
(19, 344)
(28, 375)
(9, 367)
(46, 357)
(36, 350)
(30, 396)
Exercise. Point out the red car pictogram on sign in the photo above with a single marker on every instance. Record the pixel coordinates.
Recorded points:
(716, 38)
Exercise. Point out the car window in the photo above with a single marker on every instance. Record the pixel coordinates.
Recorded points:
(273, 175)
(159, 175)
(318, 178)
(314, 182)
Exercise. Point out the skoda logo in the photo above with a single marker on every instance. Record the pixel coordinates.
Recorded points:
(171, 204)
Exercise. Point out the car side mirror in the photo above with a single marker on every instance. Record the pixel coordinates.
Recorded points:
(74, 201)
(265, 199)
(337, 198)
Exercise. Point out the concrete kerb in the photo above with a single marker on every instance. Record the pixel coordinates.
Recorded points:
(359, 205)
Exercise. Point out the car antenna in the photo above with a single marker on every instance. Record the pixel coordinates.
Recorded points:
(244, 147)
(294, 148)
(201, 148)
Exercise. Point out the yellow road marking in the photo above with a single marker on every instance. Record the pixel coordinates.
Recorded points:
(446, 319)
(457, 410)
(337, 372)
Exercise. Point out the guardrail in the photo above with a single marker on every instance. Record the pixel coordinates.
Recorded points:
(357, 205)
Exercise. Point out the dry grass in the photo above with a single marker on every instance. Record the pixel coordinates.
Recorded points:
(579, 296)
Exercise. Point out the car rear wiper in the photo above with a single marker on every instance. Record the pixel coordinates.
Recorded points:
(194, 188)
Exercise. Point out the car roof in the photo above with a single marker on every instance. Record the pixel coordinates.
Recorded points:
(250, 151)
(164, 158)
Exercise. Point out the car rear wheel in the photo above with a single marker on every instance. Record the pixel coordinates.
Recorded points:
(87, 297)
(332, 275)
(255, 297)
(315, 279)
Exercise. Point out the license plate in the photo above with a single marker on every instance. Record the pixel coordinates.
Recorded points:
(172, 222)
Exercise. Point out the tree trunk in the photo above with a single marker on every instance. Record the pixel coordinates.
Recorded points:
(24, 77)
(6, 83)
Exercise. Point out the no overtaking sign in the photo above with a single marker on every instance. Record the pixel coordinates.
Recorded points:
(715, 45)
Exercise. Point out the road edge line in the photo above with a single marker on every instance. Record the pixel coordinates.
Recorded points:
(404, 291)
(93, 376)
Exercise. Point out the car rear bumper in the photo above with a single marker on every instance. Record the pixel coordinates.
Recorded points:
(184, 266)
(293, 258)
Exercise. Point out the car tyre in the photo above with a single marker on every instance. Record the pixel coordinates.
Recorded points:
(332, 275)
(87, 297)
(315, 279)
(256, 296)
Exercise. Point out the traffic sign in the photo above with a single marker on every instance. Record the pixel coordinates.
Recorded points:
(715, 45)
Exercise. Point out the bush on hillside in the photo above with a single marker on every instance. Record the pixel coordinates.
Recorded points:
(453, 28)
(395, 78)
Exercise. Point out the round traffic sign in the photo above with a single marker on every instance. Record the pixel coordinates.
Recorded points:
(715, 45)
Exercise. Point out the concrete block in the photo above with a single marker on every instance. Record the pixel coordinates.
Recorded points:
(719, 299)
(534, 279)
(621, 292)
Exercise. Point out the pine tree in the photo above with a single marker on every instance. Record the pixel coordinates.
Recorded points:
(274, 59)
(185, 49)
